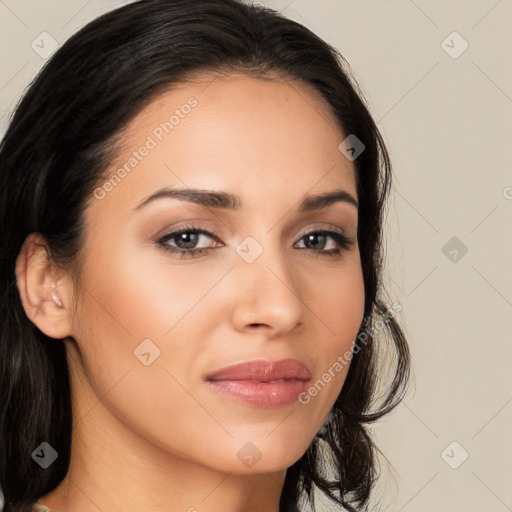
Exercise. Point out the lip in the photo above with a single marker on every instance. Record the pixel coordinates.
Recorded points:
(262, 383)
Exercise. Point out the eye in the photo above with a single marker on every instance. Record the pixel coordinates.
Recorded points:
(319, 237)
(186, 238)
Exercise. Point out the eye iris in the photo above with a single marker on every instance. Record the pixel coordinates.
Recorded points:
(189, 239)
(314, 236)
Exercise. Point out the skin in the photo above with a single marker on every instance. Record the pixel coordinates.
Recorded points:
(157, 437)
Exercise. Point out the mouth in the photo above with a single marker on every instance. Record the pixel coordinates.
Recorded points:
(260, 383)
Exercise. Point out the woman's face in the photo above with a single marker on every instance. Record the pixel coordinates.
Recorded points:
(156, 321)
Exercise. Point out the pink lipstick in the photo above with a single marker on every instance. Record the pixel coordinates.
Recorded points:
(262, 383)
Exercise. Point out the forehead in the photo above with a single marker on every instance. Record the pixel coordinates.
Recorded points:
(237, 133)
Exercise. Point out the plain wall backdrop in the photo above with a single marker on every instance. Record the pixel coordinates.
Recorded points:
(438, 78)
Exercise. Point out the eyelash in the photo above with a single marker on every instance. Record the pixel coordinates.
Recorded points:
(343, 241)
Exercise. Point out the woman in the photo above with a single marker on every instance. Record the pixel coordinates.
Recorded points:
(192, 310)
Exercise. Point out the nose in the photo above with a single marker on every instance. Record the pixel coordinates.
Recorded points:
(267, 295)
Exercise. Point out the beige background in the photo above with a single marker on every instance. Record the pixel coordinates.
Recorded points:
(448, 125)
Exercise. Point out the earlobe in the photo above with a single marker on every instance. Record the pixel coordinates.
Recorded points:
(42, 291)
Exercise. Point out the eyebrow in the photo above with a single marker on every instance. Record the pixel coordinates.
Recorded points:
(227, 201)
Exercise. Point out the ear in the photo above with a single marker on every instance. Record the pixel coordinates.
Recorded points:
(44, 289)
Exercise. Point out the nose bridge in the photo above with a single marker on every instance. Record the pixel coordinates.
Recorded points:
(267, 291)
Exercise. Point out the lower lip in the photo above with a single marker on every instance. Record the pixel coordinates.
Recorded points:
(261, 394)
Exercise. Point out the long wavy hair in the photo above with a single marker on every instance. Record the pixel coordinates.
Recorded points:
(60, 142)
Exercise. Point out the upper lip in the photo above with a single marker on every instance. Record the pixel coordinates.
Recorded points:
(263, 371)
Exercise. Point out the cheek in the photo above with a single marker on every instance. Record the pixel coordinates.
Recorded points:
(339, 304)
(137, 302)
(140, 335)
(141, 293)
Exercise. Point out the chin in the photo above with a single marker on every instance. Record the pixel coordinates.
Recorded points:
(263, 457)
